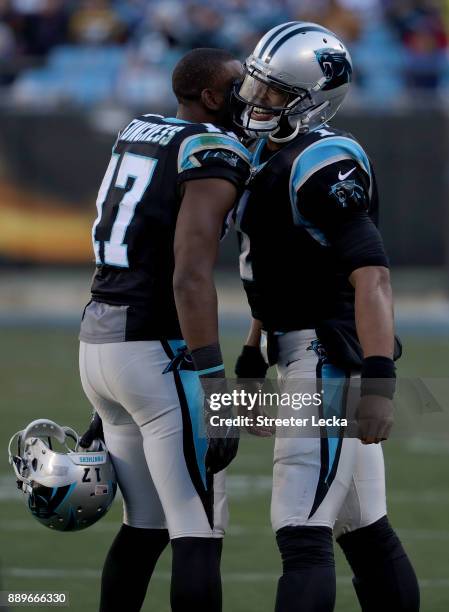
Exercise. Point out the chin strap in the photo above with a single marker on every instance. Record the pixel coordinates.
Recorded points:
(291, 136)
(301, 126)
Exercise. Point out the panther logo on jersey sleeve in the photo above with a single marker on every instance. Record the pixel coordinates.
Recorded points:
(213, 150)
(348, 193)
(231, 158)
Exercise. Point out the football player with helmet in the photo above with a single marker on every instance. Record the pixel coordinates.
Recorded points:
(149, 335)
(316, 276)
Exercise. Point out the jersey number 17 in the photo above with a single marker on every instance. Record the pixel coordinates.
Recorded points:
(141, 169)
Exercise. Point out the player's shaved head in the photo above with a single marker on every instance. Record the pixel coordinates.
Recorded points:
(201, 69)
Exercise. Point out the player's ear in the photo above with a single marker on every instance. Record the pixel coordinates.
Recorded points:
(211, 99)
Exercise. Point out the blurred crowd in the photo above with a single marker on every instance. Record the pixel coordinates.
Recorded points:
(97, 51)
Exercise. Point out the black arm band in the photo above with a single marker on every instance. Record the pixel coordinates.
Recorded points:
(378, 377)
(208, 361)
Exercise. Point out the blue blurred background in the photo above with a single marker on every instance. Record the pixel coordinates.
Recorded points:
(57, 52)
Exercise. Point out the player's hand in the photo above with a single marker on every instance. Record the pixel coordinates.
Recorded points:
(261, 431)
(223, 436)
(252, 366)
(222, 451)
(375, 418)
(94, 432)
(223, 441)
(250, 363)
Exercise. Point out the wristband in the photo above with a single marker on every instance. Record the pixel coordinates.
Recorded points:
(208, 361)
(378, 377)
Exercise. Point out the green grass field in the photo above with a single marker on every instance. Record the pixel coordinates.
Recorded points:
(40, 379)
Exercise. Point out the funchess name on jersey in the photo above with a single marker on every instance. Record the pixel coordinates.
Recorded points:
(143, 131)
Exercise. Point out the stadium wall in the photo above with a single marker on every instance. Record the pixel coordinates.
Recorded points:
(51, 166)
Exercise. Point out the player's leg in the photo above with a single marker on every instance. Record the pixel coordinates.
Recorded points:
(304, 536)
(311, 477)
(125, 577)
(175, 456)
(384, 578)
(196, 578)
(196, 532)
(143, 535)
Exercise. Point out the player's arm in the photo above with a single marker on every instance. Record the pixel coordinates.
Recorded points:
(374, 310)
(375, 329)
(339, 211)
(204, 207)
(212, 170)
(254, 334)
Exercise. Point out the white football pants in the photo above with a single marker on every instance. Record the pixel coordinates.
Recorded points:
(151, 422)
(335, 482)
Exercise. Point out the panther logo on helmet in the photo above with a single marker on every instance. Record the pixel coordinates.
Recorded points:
(335, 66)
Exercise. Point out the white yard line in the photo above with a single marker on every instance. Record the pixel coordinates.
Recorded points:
(234, 530)
(22, 572)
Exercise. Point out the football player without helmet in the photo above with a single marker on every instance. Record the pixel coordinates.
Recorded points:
(64, 490)
(295, 81)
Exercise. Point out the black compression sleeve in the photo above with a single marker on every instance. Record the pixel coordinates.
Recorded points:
(358, 243)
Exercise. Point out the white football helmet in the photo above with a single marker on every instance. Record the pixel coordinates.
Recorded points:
(295, 80)
(65, 491)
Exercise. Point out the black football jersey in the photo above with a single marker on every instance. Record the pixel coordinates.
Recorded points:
(137, 209)
(307, 219)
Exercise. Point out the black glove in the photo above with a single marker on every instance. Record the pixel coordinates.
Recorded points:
(94, 432)
(251, 369)
(222, 451)
(223, 440)
(250, 363)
